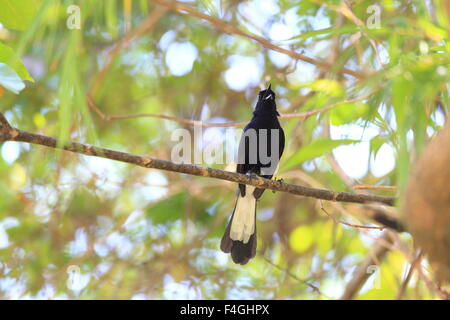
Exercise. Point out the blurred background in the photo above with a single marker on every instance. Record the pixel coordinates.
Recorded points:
(105, 72)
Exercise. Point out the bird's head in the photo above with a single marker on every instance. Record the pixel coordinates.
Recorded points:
(266, 101)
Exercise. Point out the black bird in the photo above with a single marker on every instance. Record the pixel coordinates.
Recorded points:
(258, 156)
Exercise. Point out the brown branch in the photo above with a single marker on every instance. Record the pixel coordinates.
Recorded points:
(346, 9)
(363, 273)
(195, 123)
(432, 287)
(5, 126)
(336, 166)
(228, 28)
(196, 170)
(385, 216)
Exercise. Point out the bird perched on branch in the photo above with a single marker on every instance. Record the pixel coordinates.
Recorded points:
(260, 149)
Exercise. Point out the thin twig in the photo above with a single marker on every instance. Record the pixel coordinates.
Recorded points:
(4, 123)
(195, 123)
(303, 177)
(145, 26)
(405, 282)
(228, 28)
(368, 187)
(346, 10)
(364, 271)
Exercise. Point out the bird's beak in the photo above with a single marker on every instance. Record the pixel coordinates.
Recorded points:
(268, 88)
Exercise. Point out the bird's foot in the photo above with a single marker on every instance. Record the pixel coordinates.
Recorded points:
(252, 175)
(278, 180)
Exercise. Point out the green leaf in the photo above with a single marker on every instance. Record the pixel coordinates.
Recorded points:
(315, 149)
(10, 80)
(8, 57)
(17, 15)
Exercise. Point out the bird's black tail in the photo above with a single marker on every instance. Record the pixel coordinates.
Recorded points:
(241, 252)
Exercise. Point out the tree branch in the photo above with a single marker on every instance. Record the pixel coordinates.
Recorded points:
(11, 134)
(195, 123)
(4, 124)
(228, 28)
(293, 276)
